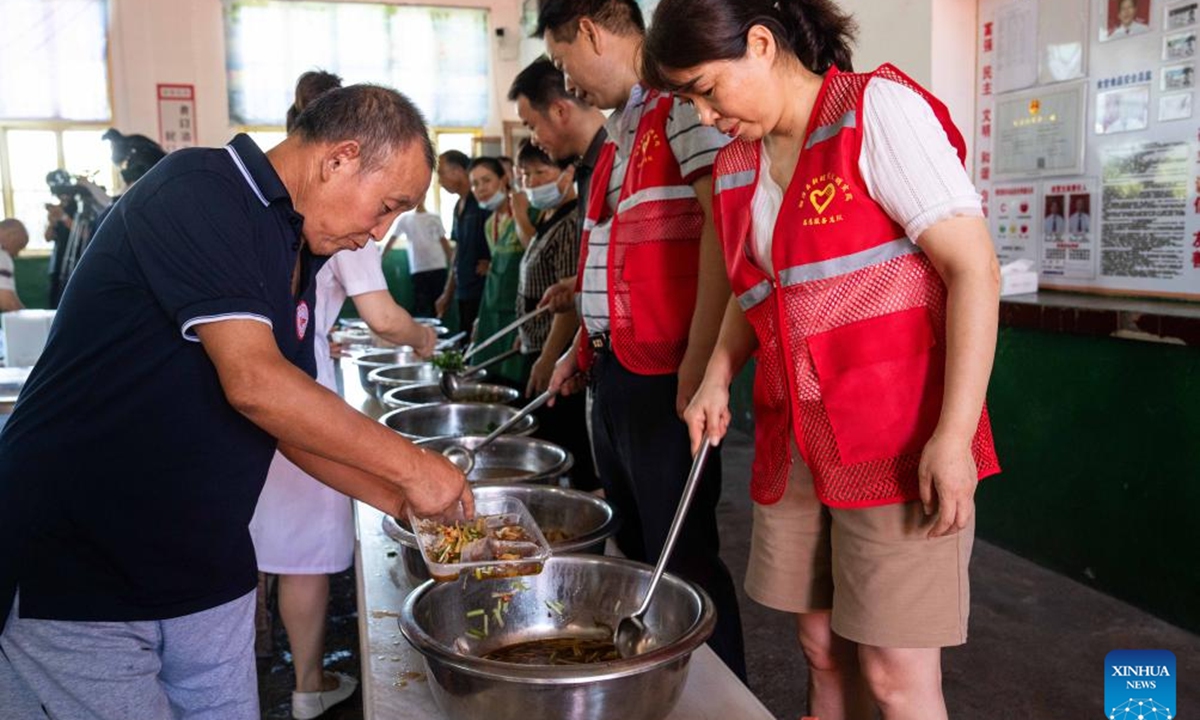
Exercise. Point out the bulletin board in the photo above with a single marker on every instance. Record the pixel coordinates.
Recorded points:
(1087, 146)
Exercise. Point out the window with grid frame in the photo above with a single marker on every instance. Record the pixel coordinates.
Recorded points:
(54, 102)
(437, 56)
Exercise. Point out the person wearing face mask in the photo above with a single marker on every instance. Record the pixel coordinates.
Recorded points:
(553, 254)
(508, 231)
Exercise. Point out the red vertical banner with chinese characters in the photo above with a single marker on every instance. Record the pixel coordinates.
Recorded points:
(176, 116)
(984, 108)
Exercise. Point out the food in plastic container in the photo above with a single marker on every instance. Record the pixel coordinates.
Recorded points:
(502, 540)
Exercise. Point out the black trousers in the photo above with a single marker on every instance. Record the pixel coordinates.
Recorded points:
(468, 310)
(427, 286)
(565, 425)
(644, 456)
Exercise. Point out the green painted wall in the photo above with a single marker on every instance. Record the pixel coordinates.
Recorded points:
(33, 282)
(1100, 443)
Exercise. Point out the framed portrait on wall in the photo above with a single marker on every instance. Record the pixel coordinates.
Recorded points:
(1124, 19)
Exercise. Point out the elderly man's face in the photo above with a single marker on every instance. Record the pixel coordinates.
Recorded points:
(348, 207)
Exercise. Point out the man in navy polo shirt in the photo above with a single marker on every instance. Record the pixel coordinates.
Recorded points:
(182, 354)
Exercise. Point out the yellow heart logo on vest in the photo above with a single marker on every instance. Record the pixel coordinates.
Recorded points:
(821, 198)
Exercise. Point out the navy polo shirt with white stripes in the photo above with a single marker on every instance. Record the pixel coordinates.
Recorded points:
(127, 481)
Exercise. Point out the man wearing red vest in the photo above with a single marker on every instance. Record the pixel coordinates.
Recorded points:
(651, 292)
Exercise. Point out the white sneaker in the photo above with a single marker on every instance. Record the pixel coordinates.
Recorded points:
(308, 705)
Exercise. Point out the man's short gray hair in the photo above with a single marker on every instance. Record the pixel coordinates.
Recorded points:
(379, 118)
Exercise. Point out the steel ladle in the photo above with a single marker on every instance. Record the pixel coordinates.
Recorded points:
(499, 334)
(632, 638)
(450, 379)
(464, 457)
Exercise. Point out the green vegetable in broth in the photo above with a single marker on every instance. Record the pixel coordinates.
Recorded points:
(449, 361)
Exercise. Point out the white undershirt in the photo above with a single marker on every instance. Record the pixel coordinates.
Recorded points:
(907, 163)
(347, 273)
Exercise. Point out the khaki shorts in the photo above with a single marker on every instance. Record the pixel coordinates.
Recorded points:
(885, 582)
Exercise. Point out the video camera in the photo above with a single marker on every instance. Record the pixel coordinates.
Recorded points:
(62, 184)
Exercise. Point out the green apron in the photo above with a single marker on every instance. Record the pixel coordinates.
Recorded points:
(498, 307)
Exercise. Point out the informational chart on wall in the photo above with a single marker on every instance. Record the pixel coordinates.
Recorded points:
(1088, 152)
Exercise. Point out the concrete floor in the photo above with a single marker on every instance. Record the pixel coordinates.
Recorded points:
(1036, 649)
(1037, 639)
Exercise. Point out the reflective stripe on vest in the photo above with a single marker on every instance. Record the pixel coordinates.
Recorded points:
(755, 295)
(847, 263)
(678, 192)
(734, 181)
(828, 132)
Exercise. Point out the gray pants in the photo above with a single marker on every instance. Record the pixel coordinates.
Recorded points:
(195, 667)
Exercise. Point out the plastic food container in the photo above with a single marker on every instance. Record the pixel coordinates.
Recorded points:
(502, 540)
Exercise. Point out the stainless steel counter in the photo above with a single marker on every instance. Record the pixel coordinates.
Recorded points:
(393, 674)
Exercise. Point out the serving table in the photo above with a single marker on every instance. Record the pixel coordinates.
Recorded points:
(394, 685)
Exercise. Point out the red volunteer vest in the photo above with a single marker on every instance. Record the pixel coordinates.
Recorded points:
(654, 248)
(852, 327)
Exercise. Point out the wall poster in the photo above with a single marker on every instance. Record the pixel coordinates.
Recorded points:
(1093, 171)
(176, 116)
(1068, 232)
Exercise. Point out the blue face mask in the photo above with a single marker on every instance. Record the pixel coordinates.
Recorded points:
(545, 196)
(494, 201)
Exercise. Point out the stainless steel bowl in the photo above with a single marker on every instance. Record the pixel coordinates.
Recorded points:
(409, 395)
(415, 373)
(454, 420)
(594, 593)
(510, 458)
(586, 520)
(374, 359)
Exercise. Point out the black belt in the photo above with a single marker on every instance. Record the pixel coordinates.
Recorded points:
(600, 341)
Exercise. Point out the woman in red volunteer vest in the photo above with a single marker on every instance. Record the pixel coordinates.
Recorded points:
(867, 288)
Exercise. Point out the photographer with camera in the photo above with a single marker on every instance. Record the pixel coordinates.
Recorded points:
(69, 224)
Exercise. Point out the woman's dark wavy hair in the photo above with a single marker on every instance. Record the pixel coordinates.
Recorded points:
(687, 33)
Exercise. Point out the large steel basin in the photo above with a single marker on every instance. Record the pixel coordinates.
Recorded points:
(375, 359)
(455, 420)
(594, 592)
(417, 373)
(509, 458)
(425, 394)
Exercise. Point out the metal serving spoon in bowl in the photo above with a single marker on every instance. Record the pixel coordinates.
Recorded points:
(631, 637)
(464, 457)
(451, 380)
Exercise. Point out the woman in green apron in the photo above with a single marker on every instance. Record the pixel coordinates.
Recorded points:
(507, 238)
